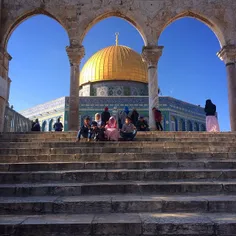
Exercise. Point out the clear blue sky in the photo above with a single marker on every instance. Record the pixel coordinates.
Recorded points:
(188, 70)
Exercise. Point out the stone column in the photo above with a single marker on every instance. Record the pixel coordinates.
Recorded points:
(228, 55)
(151, 55)
(4, 84)
(75, 54)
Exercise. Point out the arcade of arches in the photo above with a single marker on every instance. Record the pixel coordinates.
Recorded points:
(150, 17)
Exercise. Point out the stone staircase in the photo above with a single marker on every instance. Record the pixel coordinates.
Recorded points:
(159, 184)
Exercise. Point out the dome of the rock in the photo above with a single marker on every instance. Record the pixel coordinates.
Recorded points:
(114, 63)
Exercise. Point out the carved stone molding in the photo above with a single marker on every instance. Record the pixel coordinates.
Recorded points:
(228, 54)
(75, 54)
(152, 54)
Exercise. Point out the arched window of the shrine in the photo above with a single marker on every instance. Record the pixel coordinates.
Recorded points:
(40, 64)
(190, 48)
(202, 127)
(173, 124)
(189, 126)
(44, 126)
(182, 125)
(163, 121)
(196, 126)
(51, 125)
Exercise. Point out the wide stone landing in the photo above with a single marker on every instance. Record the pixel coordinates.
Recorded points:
(160, 184)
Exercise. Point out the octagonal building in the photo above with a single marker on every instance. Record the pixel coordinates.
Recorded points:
(115, 77)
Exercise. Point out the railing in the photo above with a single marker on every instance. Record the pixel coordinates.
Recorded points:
(15, 122)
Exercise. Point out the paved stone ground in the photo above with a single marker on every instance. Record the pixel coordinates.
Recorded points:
(159, 184)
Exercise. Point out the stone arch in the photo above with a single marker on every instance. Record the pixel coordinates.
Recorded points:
(204, 19)
(118, 14)
(25, 16)
(173, 123)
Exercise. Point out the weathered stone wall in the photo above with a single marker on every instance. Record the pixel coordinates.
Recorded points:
(150, 17)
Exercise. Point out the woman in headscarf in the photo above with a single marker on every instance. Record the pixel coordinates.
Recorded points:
(98, 120)
(111, 130)
(212, 124)
(134, 117)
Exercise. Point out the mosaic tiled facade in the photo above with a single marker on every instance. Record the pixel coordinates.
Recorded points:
(177, 115)
(114, 88)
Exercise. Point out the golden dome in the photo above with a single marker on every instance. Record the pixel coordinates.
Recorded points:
(114, 63)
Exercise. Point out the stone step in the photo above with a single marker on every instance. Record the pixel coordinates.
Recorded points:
(140, 136)
(162, 224)
(118, 187)
(93, 175)
(113, 157)
(117, 204)
(168, 164)
(75, 150)
(137, 139)
(144, 144)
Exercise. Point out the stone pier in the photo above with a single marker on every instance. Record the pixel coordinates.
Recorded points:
(152, 55)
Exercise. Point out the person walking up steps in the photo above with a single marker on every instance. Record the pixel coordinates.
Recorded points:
(212, 124)
(158, 118)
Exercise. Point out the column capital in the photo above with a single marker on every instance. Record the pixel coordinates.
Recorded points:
(228, 54)
(152, 54)
(75, 54)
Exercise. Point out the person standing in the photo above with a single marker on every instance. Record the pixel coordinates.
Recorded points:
(212, 124)
(158, 118)
(35, 126)
(58, 126)
(134, 116)
(105, 116)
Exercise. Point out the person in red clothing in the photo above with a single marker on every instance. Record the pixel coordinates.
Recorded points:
(158, 118)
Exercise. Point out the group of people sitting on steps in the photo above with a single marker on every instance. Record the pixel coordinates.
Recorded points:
(107, 127)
